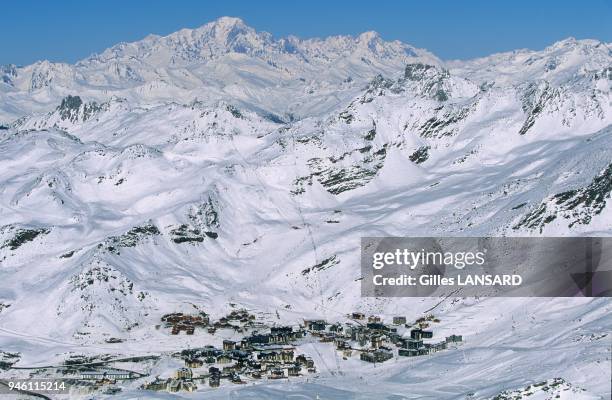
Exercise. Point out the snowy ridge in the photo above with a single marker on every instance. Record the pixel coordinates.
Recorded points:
(226, 58)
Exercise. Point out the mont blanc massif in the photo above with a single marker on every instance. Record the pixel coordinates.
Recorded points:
(180, 217)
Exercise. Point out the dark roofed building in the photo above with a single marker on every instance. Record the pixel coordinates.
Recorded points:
(378, 326)
(416, 334)
(193, 362)
(408, 352)
(454, 339)
(358, 315)
(376, 356)
(281, 330)
(294, 370)
(414, 344)
(315, 324)
(214, 380)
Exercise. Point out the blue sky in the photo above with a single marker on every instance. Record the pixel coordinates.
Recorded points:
(71, 30)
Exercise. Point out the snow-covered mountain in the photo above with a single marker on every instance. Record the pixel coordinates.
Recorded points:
(225, 59)
(219, 165)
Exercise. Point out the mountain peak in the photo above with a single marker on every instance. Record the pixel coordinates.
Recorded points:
(586, 46)
(224, 30)
(369, 36)
(231, 35)
(228, 22)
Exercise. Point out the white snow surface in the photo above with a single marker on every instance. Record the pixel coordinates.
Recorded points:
(273, 155)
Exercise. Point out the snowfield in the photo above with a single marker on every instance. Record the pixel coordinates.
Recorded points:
(221, 165)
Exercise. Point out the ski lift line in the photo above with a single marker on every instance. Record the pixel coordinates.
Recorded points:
(322, 359)
(442, 301)
(260, 181)
(314, 247)
(299, 209)
(324, 307)
(342, 313)
(337, 359)
(312, 241)
(307, 226)
(297, 204)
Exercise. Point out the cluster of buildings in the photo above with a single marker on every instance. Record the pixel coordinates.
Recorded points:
(108, 375)
(265, 352)
(270, 352)
(277, 335)
(269, 355)
(376, 341)
(185, 322)
(415, 346)
(182, 380)
(237, 320)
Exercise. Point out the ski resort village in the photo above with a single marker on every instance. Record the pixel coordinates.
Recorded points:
(244, 350)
